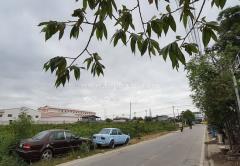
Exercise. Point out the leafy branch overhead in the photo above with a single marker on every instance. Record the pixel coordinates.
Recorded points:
(94, 14)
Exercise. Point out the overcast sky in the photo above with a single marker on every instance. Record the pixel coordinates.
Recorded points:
(148, 83)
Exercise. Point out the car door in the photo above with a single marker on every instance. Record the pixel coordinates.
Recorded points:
(73, 141)
(121, 137)
(58, 142)
(115, 136)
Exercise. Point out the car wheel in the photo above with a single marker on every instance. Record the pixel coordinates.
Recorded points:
(112, 144)
(127, 141)
(47, 154)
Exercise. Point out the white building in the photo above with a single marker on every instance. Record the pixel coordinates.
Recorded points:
(198, 116)
(62, 115)
(161, 118)
(9, 115)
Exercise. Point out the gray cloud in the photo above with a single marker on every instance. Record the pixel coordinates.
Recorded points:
(148, 83)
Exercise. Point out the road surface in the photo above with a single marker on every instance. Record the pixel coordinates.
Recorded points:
(174, 149)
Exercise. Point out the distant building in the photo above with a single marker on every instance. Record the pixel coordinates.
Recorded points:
(9, 115)
(62, 115)
(161, 118)
(90, 118)
(198, 116)
(120, 119)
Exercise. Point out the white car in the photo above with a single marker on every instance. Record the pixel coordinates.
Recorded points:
(110, 137)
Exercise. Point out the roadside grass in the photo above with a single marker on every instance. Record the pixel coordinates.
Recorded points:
(79, 155)
(11, 134)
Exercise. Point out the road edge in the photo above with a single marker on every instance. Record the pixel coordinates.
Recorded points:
(70, 163)
(204, 149)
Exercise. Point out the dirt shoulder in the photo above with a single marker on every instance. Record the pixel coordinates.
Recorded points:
(214, 156)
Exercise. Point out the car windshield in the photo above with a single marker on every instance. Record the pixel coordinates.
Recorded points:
(40, 135)
(105, 131)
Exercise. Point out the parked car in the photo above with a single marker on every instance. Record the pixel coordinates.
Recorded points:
(49, 143)
(110, 137)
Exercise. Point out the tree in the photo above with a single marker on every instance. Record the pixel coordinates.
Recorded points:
(210, 76)
(145, 40)
(188, 116)
(108, 120)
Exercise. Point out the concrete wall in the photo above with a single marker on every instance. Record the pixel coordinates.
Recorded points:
(7, 115)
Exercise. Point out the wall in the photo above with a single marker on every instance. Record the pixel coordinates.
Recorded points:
(15, 112)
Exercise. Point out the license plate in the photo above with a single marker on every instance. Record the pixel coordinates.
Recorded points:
(20, 145)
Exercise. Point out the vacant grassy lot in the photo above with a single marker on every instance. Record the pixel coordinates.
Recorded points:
(10, 134)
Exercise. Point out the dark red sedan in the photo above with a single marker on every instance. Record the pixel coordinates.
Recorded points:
(49, 143)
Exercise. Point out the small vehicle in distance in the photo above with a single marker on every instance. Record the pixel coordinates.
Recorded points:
(49, 143)
(110, 137)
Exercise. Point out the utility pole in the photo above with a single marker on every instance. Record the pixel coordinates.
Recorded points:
(130, 116)
(174, 117)
(236, 90)
(237, 64)
(150, 112)
(146, 112)
(178, 113)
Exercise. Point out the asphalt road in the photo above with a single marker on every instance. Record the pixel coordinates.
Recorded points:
(174, 149)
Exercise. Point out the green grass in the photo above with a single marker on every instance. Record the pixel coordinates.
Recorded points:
(10, 134)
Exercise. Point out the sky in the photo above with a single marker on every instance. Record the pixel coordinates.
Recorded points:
(149, 83)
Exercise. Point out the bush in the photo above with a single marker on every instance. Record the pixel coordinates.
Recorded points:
(108, 120)
(24, 128)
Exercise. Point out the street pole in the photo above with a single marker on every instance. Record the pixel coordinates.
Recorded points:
(130, 117)
(150, 112)
(237, 61)
(174, 117)
(236, 90)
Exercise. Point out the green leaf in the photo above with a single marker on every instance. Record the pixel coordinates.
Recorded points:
(114, 4)
(155, 44)
(165, 24)
(185, 20)
(115, 40)
(191, 48)
(74, 32)
(85, 4)
(88, 61)
(168, 8)
(164, 52)
(61, 28)
(96, 57)
(206, 36)
(222, 3)
(172, 23)
(156, 27)
(149, 30)
(133, 43)
(139, 43)
(124, 38)
(144, 46)
(180, 55)
(76, 71)
(92, 4)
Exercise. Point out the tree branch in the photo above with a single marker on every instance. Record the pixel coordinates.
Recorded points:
(140, 14)
(89, 40)
(204, 1)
